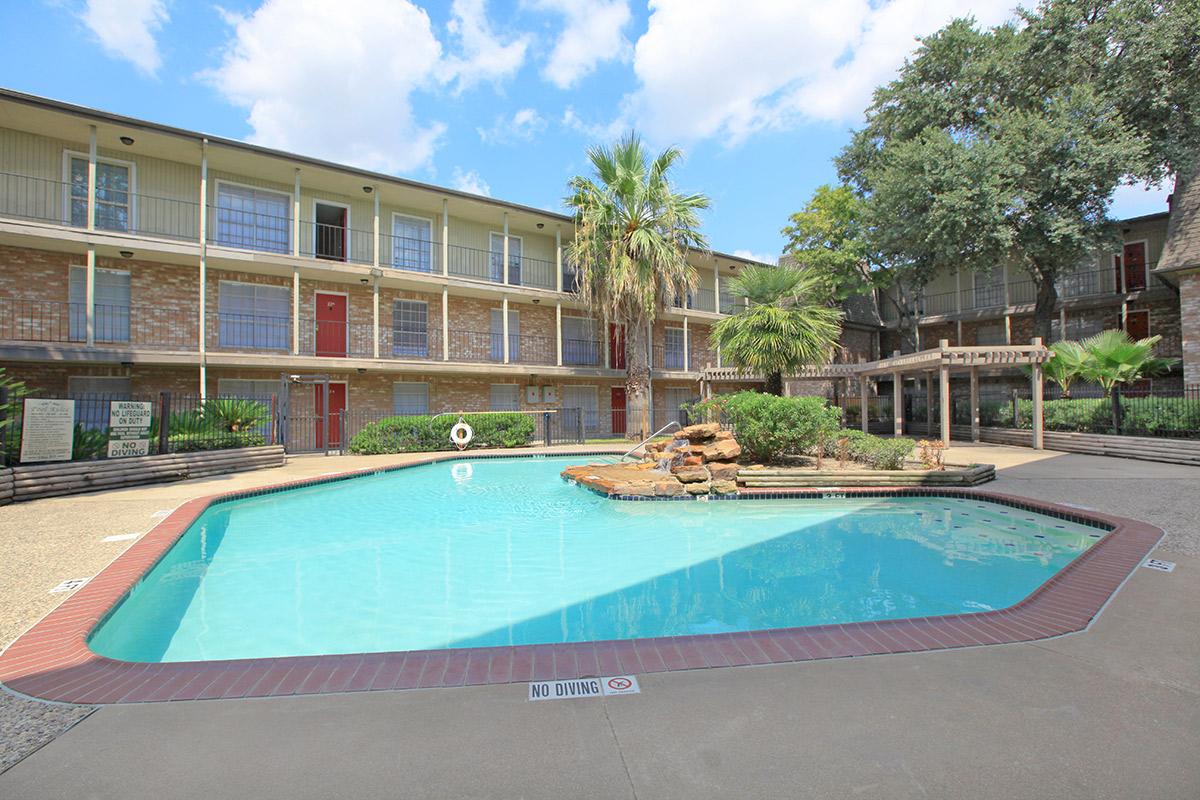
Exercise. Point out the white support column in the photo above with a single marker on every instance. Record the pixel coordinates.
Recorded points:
(1007, 329)
(90, 278)
(445, 323)
(958, 296)
(296, 215)
(504, 307)
(375, 311)
(1004, 273)
(974, 404)
(864, 385)
(558, 284)
(203, 277)
(687, 346)
(1062, 323)
(296, 311)
(558, 333)
(898, 404)
(1038, 439)
(929, 404)
(445, 236)
(944, 398)
(375, 245)
(717, 288)
(506, 272)
(718, 356)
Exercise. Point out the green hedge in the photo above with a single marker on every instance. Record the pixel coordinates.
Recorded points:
(423, 433)
(768, 427)
(1139, 415)
(213, 440)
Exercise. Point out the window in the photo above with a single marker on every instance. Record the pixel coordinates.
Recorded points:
(580, 343)
(1133, 255)
(253, 219)
(989, 288)
(238, 387)
(583, 398)
(504, 397)
(409, 399)
(1077, 328)
(992, 333)
(496, 248)
(253, 315)
(412, 243)
(672, 399)
(410, 328)
(113, 193)
(92, 396)
(514, 335)
(112, 304)
(673, 352)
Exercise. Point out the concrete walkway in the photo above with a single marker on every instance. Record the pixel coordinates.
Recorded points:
(1111, 713)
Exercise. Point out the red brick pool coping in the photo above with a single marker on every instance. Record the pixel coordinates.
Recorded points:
(52, 661)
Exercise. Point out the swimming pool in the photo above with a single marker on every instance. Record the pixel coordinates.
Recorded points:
(484, 552)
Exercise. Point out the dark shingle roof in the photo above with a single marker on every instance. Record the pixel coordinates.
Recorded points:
(1182, 250)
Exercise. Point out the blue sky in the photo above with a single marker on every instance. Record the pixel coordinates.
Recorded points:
(504, 97)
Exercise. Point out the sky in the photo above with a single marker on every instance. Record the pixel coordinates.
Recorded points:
(503, 97)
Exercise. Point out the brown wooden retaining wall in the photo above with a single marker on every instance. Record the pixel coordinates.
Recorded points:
(50, 480)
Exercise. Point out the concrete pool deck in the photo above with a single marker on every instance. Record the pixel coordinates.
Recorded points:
(1113, 712)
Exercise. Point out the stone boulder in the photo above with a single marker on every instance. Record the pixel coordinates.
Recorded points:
(700, 433)
(724, 487)
(724, 450)
(691, 474)
(668, 487)
(703, 487)
(723, 472)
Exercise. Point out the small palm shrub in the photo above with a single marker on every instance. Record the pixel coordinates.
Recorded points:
(235, 414)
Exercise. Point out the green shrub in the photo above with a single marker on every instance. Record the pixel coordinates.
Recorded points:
(1139, 415)
(195, 441)
(853, 434)
(423, 433)
(880, 453)
(88, 443)
(768, 427)
(234, 414)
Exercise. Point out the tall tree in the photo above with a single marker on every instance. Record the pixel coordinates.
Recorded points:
(829, 238)
(787, 324)
(633, 231)
(984, 151)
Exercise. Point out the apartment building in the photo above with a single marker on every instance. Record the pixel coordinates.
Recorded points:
(137, 258)
(1115, 289)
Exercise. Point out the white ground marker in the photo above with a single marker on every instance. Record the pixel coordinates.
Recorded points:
(121, 537)
(1161, 566)
(69, 585)
(166, 512)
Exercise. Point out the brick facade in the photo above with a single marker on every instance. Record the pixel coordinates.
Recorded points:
(1189, 324)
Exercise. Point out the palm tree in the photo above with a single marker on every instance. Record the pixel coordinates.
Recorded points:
(1065, 366)
(632, 236)
(787, 325)
(1113, 358)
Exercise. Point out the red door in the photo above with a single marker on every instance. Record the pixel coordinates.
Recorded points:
(1134, 257)
(618, 409)
(616, 351)
(1137, 324)
(331, 325)
(337, 404)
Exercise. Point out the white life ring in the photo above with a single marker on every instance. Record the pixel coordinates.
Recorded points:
(461, 435)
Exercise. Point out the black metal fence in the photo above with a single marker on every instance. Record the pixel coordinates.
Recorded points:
(1126, 412)
(192, 424)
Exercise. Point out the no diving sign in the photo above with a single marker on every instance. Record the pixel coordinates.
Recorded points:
(583, 687)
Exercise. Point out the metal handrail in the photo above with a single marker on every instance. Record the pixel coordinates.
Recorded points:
(658, 432)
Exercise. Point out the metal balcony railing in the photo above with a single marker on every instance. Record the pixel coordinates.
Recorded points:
(149, 327)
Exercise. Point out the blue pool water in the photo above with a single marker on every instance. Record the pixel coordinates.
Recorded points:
(503, 551)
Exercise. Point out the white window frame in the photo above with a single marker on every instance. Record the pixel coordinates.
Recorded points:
(514, 334)
(491, 252)
(221, 392)
(594, 424)
(397, 413)
(395, 345)
(391, 260)
(214, 221)
(288, 318)
(683, 359)
(346, 231)
(516, 395)
(77, 310)
(130, 165)
(598, 340)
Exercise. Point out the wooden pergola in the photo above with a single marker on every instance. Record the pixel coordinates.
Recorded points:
(942, 360)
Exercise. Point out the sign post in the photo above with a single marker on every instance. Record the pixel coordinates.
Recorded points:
(47, 430)
(129, 428)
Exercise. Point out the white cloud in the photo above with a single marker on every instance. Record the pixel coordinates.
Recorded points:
(710, 68)
(485, 56)
(470, 182)
(762, 258)
(597, 132)
(1139, 199)
(334, 80)
(126, 29)
(523, 125)
(591, 34)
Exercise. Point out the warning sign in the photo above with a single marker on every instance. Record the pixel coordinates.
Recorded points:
(583, 687)
(129, 428)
